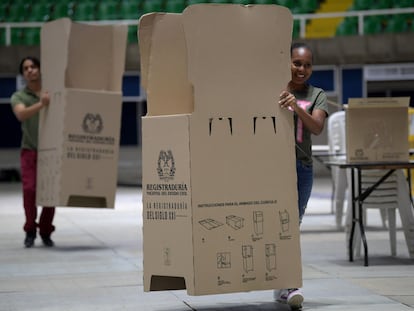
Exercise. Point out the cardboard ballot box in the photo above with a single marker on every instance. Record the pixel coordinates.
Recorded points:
(82, 68)
(220, 209)
(377, 129)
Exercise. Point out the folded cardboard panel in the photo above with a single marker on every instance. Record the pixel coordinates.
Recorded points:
(167, 211)
(219, 179)
(82, 169)
(377, 129)
(166, 84)
(82, 67)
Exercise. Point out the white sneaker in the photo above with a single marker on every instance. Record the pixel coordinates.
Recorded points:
(293, 297)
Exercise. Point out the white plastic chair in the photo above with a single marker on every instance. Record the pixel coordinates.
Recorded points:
(392, 194)
(386, 197)
(337, 151)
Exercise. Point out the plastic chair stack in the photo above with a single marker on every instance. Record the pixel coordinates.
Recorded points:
(392, 194)
(386, 197)
(337, 150)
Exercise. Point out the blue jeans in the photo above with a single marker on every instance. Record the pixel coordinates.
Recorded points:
(305, 182)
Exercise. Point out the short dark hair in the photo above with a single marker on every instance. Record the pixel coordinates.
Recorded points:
(298, 45)
(35, 61)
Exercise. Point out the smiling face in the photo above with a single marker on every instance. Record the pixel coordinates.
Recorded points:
(301, 67)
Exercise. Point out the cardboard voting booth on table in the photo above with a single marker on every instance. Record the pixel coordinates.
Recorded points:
(220, 208)
(82, 68)
(377, 129)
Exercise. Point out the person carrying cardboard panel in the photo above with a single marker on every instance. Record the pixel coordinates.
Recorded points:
(26, 104)
(310, 108)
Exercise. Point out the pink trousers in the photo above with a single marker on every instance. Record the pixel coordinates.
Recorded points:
(28, 163)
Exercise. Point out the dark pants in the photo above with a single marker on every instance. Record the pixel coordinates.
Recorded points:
(305, 183)
(28, 163)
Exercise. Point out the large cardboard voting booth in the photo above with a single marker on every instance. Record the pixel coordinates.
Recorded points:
(82, 68)
(377, 129)
(220, 211)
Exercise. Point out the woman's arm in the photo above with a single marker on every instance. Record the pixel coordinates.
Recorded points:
(314, 122)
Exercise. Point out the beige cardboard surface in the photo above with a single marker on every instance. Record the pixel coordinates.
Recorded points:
(53, 67)
(85, 154)
(168, 240)
(230, 162)
(172, 92)
(82, 67)
(377, 129)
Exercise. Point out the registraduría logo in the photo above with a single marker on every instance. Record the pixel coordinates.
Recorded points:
(166, 165)
(92, 123)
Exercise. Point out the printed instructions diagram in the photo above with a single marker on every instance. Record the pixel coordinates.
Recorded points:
(236, 222)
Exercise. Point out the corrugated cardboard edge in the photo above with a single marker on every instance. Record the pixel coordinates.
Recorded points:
(119, 37)
(144, 33)
(59, 32)
(378, 102)
(164, 77)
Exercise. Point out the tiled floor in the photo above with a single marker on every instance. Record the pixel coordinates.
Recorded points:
(97, 264)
